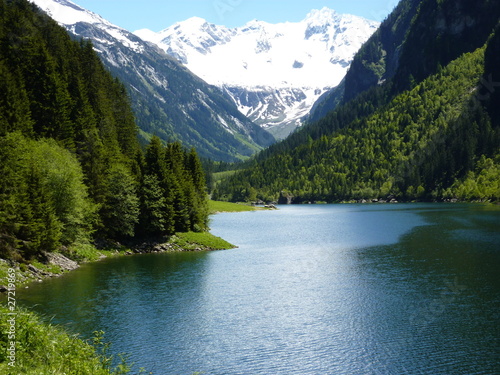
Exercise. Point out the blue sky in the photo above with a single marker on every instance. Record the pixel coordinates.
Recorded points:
(159, 14)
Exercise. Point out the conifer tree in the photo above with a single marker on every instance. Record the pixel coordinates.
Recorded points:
(159, 179)
(199, 207)
(120, 211)
(70, 161)
(41, 230)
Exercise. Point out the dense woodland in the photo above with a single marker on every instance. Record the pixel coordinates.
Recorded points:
(71, 165)
(428, 131)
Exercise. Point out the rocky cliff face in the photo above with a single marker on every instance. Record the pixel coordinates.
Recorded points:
(375, 62)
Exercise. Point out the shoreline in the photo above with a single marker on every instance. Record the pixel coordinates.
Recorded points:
(60, 263)
(27, 329)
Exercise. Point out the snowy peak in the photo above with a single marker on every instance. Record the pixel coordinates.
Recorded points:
(322, 16)
(72, 16)
(254, 25)
(312, 53)
(195, 35)
(168, 99)
(67, 13)
(283, 67)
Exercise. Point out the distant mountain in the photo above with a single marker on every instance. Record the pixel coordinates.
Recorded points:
(168, 99)
(273, 72)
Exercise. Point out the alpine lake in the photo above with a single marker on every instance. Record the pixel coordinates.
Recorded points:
(311, 289)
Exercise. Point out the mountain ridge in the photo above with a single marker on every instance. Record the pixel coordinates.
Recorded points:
(168, 100)
(284, 68)
(449, 30)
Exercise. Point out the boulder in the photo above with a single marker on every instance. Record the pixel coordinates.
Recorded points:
(61, 261)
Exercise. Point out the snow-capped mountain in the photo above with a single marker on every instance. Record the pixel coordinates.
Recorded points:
(71, 15)
(168, 99)
(273, 72)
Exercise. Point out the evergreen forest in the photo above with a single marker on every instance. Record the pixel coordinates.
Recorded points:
(72, 169)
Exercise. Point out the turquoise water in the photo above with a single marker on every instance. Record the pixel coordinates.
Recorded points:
(333, 289)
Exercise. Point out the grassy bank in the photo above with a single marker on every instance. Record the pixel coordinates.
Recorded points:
(53, 266)
(201, 241)
(37, 348)
(217, 206)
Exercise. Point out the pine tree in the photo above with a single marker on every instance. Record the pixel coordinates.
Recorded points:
(199, 207)
(155, 169)
(41, 231)
(120, 211)
(153, 221)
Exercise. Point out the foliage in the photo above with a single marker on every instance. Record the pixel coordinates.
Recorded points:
(44, 349)
(402, 124)
(417, 39)
(481, 184)
(174, 196)
(45, 201)
(71, 164)
(121, 208)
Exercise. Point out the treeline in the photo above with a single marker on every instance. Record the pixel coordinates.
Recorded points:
(71, 165)
(434, 141)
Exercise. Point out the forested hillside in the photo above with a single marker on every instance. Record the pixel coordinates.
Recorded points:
(71, 165)
(416, 39)
(411, 137)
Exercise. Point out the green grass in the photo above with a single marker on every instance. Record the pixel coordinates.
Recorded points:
(89, 253)
(202, 241)
(217, 206)
(52, 268)
(42, 348)
(4, 267)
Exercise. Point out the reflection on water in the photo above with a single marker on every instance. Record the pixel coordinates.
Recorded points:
(337, 289)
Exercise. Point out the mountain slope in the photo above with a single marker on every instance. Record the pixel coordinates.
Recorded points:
(273, 72)
(168, 99)
(413, 144)
(414, 40)
(375, 62)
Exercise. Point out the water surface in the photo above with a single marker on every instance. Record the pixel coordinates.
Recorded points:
(333, 289)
